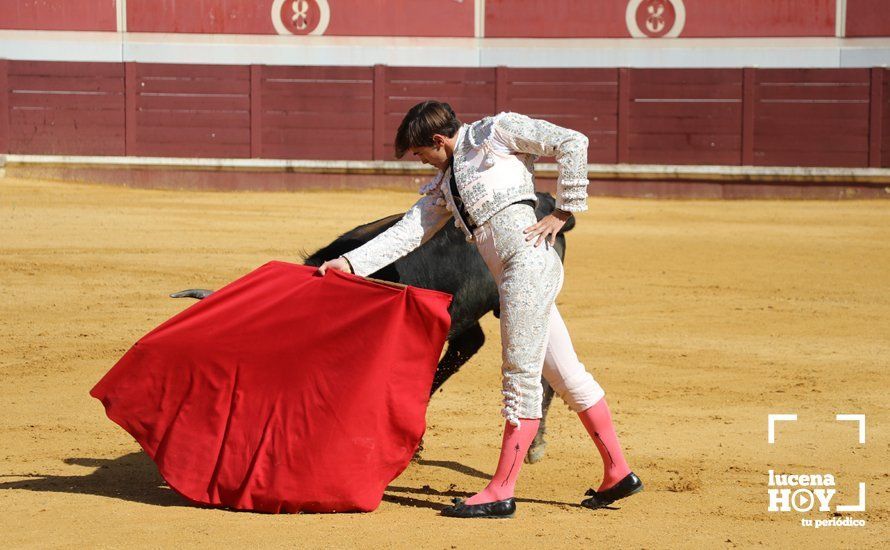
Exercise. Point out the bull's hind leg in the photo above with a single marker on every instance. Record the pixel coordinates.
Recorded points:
(460, 348)
(539, 445)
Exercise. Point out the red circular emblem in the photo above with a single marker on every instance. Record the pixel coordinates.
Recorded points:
(656, 17)
(300, 16)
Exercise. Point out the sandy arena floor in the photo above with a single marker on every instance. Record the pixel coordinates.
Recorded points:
(699, 318)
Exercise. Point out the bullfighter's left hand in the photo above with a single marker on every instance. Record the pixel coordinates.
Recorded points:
(547, 227)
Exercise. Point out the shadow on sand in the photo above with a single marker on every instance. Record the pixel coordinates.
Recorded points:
(134, 477)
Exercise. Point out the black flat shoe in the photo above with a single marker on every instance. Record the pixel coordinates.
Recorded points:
(498, 509)
(630, 485)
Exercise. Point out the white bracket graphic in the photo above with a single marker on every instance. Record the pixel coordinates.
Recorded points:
(854, 507)
(771, 427)
(854, 418)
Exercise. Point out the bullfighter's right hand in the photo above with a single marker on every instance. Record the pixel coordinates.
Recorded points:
(339, 264)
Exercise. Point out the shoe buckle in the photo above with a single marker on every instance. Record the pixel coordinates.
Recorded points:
(590, 493)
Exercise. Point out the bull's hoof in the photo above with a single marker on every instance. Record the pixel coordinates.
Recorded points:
(196, 293)
(536, 452)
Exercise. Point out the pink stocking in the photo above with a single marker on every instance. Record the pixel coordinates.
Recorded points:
(513, 448)
(598, 421)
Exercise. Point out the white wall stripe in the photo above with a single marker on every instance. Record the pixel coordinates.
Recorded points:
(121, 8)
(479, 23)
(840, 18)
(826, 52)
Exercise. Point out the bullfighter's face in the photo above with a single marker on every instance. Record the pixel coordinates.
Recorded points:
(438, 155)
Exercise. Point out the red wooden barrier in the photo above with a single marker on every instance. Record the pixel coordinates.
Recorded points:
(380, 113)
(868, 18)
(885, 119)
(685, 116)
(4, 107)
(749, 89)
(582, 99)
(876, 118)
(469, 91)
(59, 15)
(624, 102)
(192, 111)
(256, 111)
(317, 112)
(812, 117)
(66, 108)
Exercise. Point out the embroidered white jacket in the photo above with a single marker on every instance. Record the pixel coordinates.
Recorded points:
(493, 168)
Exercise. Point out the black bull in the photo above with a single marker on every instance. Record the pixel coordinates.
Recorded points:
(449, 263)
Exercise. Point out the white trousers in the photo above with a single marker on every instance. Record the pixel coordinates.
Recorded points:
(534, 338)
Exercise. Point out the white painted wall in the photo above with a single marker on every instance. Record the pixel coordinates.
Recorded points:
(444, 52)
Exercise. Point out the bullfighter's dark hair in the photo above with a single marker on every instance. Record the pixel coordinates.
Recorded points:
(423, 121)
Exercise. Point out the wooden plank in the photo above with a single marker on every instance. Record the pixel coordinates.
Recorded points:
(564, 106)
(192, 150)
(193, 119)
(379, 112)
(749, 105)
(465, 107)
(62, 132)
(812, 126)
(792, 111)
(317, 151)
(876, 119)
(256, 111)
(440, 74)
(545, 90)
(320, 89)
(188, 86)
(298, 103)
(886, 119)
(808, 158)
(334, 137)
(355, 121)
(812, 75)
(130, 107)
(50, 144)
(330, 73)
(172, 103)
(100, 84)
(686, 142)
(202, 136)
(185, 71)
(622, 154)
(574, 75)
(809, 92)
(642, 77)
(730, 109)
(421, 91)
(681, 90)
(74, 118)
(829, 143)
(66, 69)
(66, 101)
(4, 106)
(662, 156)
(690, 125)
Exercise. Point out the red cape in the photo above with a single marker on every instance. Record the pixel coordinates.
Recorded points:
(285, 391)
